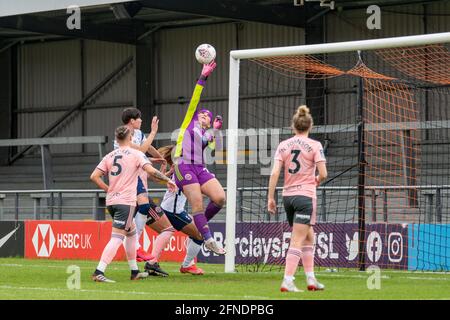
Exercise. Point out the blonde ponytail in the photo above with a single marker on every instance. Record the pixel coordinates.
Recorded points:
(302, 120)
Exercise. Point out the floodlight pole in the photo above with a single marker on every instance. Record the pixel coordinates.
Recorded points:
(231, 160)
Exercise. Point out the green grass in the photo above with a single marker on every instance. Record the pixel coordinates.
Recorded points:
(46, 279)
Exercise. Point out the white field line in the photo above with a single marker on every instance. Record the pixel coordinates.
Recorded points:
(411, 275)
(156, 294)
(415, 272)
(159, 293)
(348, 276)
(419, 278)
(382, 277)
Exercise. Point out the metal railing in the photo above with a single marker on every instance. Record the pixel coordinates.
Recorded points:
(433, 195)
(55, 201)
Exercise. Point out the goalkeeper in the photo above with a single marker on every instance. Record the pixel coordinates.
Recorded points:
(191, 174)
(173, 205)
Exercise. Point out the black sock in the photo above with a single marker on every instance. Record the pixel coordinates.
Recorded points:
(134, 272)
(97, 272)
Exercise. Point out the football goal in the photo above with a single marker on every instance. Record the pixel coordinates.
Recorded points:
(381, 109)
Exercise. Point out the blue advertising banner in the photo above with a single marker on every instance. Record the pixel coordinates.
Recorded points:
(386, 245)
(429, 247)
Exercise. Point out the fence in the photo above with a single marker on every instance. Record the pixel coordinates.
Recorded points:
(434, 203)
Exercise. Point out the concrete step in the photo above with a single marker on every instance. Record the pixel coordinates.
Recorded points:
(79, 158)
(26, 185)
(37, 170)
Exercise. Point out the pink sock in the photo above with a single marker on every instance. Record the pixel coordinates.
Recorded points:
(160, 243)
(308, 258)
(130, 249)
(130, 245)
(110, 251)
(292, 259)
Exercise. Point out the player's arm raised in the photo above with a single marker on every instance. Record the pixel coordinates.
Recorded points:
(157, 157)
(96, 177)
(274, 176)
(147, 144)
(195, 99)
(154, 129)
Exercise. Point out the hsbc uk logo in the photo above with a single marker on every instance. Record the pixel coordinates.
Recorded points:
(43, 240)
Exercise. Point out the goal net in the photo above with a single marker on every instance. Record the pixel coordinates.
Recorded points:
(381, 111)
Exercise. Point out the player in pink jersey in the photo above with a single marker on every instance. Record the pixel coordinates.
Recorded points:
(301, 157)
(147, 211)
(122, 167)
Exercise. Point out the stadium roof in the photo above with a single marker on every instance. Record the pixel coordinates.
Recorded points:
(27, 23)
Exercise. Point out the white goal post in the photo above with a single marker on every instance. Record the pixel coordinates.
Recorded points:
(233, 108)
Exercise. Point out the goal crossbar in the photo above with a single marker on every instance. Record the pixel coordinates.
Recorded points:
(335, 47)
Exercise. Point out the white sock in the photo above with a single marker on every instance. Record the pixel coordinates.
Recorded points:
(310, 275)
(102, 266)
(133, 265)
(140, 221)
(138, 245)
(191, 252)
(289, 278)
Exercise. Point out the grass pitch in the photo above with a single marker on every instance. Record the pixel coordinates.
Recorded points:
(47, 279)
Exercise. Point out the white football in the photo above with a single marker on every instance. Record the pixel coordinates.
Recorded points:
(205, 53)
